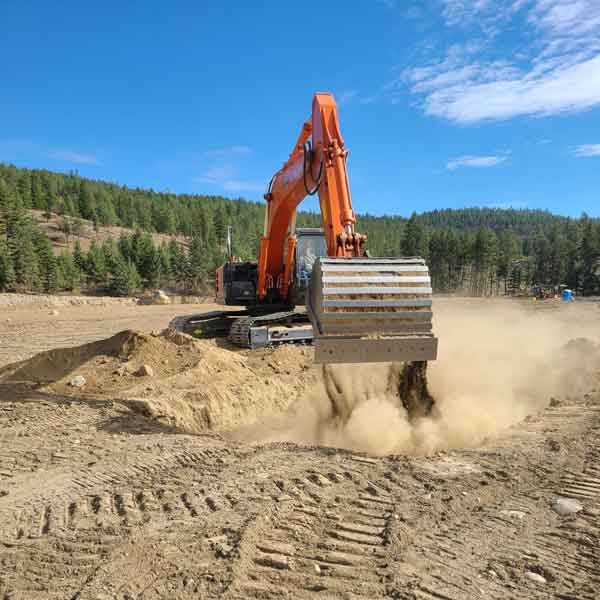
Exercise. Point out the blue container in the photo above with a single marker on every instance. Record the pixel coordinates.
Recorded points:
(567, 296)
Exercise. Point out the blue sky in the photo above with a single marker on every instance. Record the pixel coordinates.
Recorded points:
(443, 103)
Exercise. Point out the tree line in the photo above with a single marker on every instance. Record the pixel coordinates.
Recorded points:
(478, 251)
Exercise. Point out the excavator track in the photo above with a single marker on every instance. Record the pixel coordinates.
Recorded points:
(271, 329)
(371, 310)
(207, 325)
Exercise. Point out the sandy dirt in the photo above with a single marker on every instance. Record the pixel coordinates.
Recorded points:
(227, 473)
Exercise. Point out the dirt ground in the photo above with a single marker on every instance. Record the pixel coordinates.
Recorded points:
(186, 469)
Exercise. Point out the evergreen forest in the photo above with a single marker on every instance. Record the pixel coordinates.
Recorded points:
(475, 251)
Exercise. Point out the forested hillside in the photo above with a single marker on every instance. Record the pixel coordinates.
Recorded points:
(476, 250)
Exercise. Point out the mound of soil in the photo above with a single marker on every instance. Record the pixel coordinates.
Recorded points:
(192, 385)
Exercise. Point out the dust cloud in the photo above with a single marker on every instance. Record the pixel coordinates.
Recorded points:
(498, 362)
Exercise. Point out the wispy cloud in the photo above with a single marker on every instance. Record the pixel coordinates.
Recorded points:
(229, 151)
(216, 174)
(71, 156)
(237, 185)
(345, 96)
(475, 161)
(554, 69)
(587, 150)
(225, 177)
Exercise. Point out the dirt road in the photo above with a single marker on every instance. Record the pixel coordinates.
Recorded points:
(99, 500)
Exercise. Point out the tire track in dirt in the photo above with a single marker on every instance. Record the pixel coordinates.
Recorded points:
(95, 507)
(508, 539)
(326, 536)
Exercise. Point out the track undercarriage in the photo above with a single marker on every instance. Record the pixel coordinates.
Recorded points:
(249, 329)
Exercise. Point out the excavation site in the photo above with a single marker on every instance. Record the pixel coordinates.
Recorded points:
(141, 462)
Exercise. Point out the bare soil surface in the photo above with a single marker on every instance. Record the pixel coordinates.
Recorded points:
(221, 474)
(52, 228)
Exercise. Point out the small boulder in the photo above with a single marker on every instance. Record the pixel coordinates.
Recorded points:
(161, 297)
(54, 313)
(145, 371)
(536, 577)
(566, 506)
(78, 381)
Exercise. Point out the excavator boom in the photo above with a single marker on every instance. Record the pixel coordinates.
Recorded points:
(362, 309)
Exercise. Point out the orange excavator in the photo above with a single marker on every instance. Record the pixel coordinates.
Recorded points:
(358, 308)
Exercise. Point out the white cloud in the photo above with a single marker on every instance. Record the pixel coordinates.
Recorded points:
(566, 17)
(554, 67)
(457, 11)
(345, 96)
(561, 90)
(236, 185)
(216, 173)
(475, 161)
(229, 151)
(224, 177)
(73, 157)
(587, 150)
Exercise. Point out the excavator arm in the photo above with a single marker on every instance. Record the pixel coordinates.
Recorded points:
(317, 163)
(362, 309)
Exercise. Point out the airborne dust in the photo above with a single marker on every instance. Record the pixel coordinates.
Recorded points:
(498, 362)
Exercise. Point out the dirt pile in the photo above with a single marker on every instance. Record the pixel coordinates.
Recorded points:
(192, 385)
(225, 389)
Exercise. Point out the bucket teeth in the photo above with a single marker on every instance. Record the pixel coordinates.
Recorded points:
(371, 310)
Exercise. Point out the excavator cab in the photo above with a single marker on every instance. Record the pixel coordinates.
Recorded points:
(310, 246)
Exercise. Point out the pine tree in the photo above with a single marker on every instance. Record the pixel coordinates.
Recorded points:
(590, 257)
(48, 271)
(414, 239)
(5, 196)
(126, 280)
(508, 251)
(573, 263)
(95, 265)
(196, 264)
(177, 261)
(68, 275)
(7, 274)
(78, 258)
(25, 261)
(20, 245)
(111, 252)
(125, 247)
(86, 201)
(144, 255)
(219, 225)
(165, 261)
(66, 227)
(542, 256)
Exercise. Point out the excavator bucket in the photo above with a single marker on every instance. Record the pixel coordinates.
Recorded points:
(371, 310)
